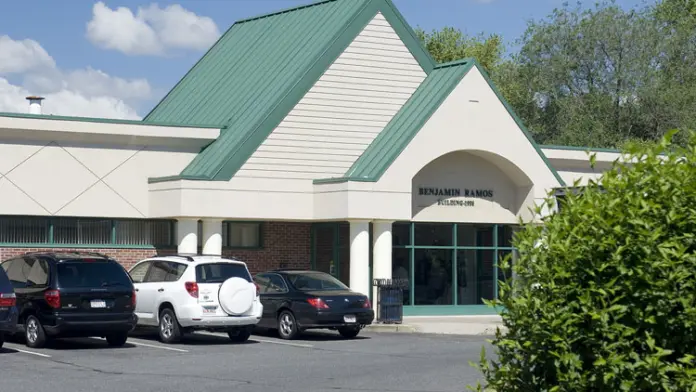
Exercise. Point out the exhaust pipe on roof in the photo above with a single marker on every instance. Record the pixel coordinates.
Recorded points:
(34, 104)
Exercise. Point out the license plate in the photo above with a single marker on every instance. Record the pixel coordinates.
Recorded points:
(209, 310)
(97, 303)
(349, 318)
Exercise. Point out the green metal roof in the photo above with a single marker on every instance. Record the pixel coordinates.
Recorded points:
(404, 126)
(260, 69)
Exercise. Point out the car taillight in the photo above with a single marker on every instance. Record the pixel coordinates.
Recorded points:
(192, 288)
(7, 300)
(52, 298)
(258, 289)
(133, 299)
(318, 303)
(367, 304)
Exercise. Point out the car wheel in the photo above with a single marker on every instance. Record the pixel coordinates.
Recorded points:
(287, 325)
(239, 335)
(169, 328)
(34, 334)
(349, 332)
(117, 339)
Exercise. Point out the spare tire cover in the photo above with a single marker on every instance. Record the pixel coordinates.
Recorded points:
(236, 296)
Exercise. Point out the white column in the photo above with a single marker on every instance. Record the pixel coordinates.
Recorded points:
(360, 256)
(187, 235)
(212, 237)
(381, 253)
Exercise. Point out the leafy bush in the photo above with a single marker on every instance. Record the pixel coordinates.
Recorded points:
(604, 297)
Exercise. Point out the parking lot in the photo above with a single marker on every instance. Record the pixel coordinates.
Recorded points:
(206, 362)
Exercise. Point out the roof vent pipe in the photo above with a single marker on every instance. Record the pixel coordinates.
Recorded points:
(34, 104)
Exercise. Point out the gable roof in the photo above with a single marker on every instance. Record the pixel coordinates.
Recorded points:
(408, 121)
(260, 69)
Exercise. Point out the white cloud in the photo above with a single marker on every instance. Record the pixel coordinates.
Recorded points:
(150, 31)
(22, 56)
(83, 92)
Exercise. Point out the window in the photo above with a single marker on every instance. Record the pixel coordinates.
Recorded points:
(86, 232)
(316, 281)
(92, 274)
(242, 235)
(220, 272)
(276, 285)
(36, 272)
(158, 272)
(137, 274)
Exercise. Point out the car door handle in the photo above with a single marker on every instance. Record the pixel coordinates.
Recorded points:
(160, 290)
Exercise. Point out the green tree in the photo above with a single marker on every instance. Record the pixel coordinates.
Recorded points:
(604, 295)
(450, 44)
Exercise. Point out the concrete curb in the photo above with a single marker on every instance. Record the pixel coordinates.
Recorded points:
(403, 328)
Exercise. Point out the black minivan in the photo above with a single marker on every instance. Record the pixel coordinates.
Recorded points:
(72, 294)
(8, 308)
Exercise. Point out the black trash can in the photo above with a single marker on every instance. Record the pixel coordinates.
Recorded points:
(390, 300)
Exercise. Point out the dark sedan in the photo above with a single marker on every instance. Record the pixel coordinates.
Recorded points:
(8, 308)
(295, 301)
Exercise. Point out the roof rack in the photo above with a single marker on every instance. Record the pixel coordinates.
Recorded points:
(76, 252)
(183, 256)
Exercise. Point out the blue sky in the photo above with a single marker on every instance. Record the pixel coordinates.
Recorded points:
(87, 60)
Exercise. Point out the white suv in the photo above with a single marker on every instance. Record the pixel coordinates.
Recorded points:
(181, 294)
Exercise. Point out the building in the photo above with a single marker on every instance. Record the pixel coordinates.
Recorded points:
(322, 136)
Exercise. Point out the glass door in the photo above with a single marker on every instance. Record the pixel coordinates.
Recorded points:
(325, 248)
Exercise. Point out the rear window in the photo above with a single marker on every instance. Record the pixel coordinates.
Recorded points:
(220, 272)
(92, 274)
(316, 281)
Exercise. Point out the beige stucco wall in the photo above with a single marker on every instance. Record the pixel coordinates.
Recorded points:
(74, 179)
(472, 125)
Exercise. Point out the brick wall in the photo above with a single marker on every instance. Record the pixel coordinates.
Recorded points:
(285, 245)
(127, 257)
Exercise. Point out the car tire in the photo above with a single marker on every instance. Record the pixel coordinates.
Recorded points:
(240, 335)
(34, 333)
(2, 339)
(287, 325)
(117, 339)
(169, 328)
(349, 332)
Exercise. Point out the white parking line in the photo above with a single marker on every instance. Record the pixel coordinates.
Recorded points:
(253, 339)
(12, 347)
(283, 343)
(138, 343)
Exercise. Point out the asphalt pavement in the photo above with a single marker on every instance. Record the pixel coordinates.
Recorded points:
(210, 362)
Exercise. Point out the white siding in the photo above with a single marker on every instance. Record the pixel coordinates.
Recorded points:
(343, 112)
(56, 178)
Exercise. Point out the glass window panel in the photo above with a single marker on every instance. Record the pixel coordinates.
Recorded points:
(143, 232)
(81, 231)
(433, 234)
(24, 230)
(505, 233)
(433, 277)
(401, 269)
(474, 235)
(244, 235)
(475, 276)
(401, 234)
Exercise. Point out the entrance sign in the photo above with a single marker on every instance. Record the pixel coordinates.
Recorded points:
(451, 193)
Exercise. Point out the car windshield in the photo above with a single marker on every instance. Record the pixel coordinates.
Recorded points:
(92, 274)
(316, 281)
(220, 272)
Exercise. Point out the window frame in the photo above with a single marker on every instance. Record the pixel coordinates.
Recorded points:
(148, 265)
(226, 238)
(50, 226)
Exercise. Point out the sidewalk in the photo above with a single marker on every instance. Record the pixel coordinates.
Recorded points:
(450, 325)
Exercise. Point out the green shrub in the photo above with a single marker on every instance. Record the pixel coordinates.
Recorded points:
(615, 309)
